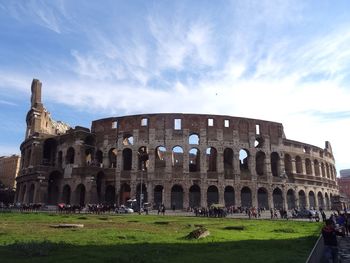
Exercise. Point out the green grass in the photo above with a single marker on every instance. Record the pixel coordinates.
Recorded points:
(134, 238)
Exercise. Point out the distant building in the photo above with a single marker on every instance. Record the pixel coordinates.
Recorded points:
(344, 185)
(344, 173)
(9, 167)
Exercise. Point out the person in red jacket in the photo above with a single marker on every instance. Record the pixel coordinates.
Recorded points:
(330, 234)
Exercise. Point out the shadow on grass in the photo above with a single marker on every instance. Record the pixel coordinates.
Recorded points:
(282, 250)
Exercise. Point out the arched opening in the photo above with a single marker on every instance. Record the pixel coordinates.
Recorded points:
(127, 159)
(177, 197)
(141, 196)
(99, 158)
(243, 160)
(143, 158)
(290, 199)
(327, 170)
(80, 195)
(298, 165)
(89, 153)
(70, 155)
(99, 186)
(52, 189)
(323, 170)
(312, 201)
(193, 139)
(212, 195)
(158, 195)
(277, 198)
(160, 157)
(194, 160)
(23, 192)
(49, 152)
(31, 194)
(288, 164)
(211, 159)
(66, 193)
(112, 157)
(327, 201)
(195, 196)
(259, 142)
(263, 201)
(260, 163)
(228, 159)
(128, 140)
(110, 195)
(246, 197)
(124, 193)
(317, 168)
(229, 196)
(177, 157)
(60, 159)
(275, 164)
(320, 200)
(302, 199)
(308, 166)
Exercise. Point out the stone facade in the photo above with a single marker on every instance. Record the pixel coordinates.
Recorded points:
(181, 160)
(9, 167)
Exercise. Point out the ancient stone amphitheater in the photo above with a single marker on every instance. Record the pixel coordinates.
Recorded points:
(180, 160)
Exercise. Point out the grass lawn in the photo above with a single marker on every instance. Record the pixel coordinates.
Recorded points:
(135, 238)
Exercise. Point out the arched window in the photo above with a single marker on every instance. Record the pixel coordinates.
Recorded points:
(211, 159)
(275, 164)
(128, 139)
(99, 158)
(160, 157)
(260, 163)
(127, 159)
(316, 168)
(244, 159)
(228, 159)
(70, 155)
(112, 156)
(49, 152)
(308, 166)
(288, 164)
(193, 139)
(177, 157)
(298, 165)
(143, 158)
(194, 160)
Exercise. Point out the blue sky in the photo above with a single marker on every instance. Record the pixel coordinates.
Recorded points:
(284, 61)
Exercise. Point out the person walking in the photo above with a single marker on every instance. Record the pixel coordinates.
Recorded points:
(329, 234)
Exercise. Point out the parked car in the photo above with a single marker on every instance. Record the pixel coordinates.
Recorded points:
(308, 213)
(124, 210)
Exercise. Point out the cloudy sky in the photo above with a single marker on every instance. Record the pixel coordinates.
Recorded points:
(278, 60)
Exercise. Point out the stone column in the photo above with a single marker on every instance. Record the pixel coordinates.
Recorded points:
(294, 167)
(204, 188)
(254, 197)
(238, 201)
(186, 199)
(221, 192)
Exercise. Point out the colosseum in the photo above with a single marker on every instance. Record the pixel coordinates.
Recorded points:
(179, 160)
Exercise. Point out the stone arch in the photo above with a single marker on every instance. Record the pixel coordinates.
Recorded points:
(229, 196)
(194, 160)
(112, 157)
(158, 195)
(212, 195)
(244, 160)
(31, 194)
(298, 165)
(49, 151)
(177, 193)
(124, 193)
(160, 161)
(246, 197)
(302, 199)
(177, 157)
(211, 153)
(308, 167)
(277, 197)
(288, 164)
(141, 198)
(228, 159)
(263, 200)
(290, 199)
(55, 179)
(100, 180)
(143, 158)
(66, 194)
(80, 192)
(110, 195)
(195, 196)
(320, 200)
(312, 200)
(260, 163)
(99, 158)
(316, 168)
(327, 201)
(127, 159)
(128, 140)
(193, 139)
(70, 156)
(275, 164)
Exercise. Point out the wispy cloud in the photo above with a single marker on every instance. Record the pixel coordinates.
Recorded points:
(5, 102)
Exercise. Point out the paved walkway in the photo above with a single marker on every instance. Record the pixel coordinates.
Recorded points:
(344, 249)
